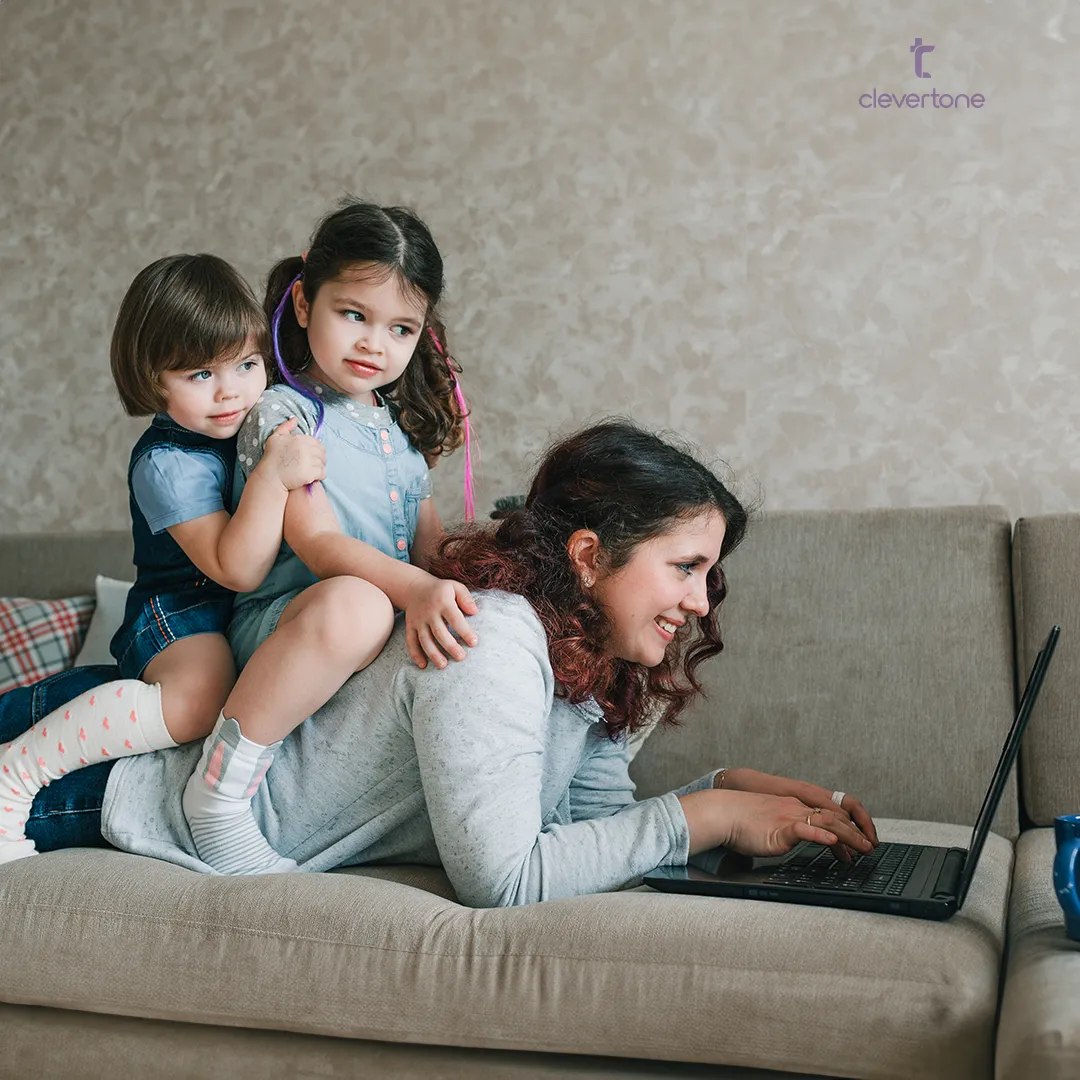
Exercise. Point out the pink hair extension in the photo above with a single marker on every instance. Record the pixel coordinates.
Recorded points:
(470, 505)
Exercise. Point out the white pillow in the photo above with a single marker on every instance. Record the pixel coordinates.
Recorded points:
(108, 615)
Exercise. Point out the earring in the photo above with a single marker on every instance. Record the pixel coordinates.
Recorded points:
(587, 580)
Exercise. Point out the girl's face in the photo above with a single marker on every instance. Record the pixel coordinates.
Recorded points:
(215, 399)
(660, 588)
(361, 333)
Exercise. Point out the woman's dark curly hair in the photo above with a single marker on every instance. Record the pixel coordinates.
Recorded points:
(628, 486)
(361, 240)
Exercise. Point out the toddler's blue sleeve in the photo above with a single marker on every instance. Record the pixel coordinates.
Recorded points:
(172, 486)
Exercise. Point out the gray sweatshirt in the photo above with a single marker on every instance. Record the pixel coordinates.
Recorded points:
(478, 768)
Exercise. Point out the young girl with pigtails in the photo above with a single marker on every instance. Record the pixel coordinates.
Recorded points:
(362, 352)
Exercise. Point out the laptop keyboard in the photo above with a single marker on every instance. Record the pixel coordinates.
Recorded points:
(885, 870)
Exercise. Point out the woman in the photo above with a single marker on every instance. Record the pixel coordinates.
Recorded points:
(597, 603)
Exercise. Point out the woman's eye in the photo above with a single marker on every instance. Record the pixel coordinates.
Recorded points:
(687, 567)
(199, 376)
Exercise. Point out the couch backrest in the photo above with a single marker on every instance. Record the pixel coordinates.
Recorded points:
(47, 566)
(1046, 586)
(870, 651)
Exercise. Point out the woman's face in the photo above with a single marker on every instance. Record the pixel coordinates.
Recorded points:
(660, 588)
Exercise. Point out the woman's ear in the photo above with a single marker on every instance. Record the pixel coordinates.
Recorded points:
(300, 304)
(583, 547)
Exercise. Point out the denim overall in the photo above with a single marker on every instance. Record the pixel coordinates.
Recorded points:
(171, 597)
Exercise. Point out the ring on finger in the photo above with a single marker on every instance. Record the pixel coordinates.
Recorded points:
(838, 797)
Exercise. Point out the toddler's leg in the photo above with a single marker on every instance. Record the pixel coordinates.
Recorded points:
(196, 674)
(175, 701)
(329, 631)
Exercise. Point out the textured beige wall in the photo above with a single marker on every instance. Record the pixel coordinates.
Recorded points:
(676, 210)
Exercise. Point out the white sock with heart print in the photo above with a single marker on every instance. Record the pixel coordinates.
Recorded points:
(114, 720)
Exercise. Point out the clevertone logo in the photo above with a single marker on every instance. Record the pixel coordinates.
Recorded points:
(880, 99)
(918, 49)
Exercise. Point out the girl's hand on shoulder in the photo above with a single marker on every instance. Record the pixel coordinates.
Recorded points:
(291, 459)
(436, 607)
(764, 825)
(812, 795)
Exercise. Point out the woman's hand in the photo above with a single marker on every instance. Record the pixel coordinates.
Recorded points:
(810, 795)
(436, 607)
(753, 823)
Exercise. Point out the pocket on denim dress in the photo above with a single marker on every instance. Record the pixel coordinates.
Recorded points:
(412, 513)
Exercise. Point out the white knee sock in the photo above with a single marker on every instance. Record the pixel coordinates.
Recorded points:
(115, 720)
(217, 804)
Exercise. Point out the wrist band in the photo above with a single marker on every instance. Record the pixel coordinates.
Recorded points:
(718, 780)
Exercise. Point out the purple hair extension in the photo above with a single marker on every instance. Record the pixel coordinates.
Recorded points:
(287, 375)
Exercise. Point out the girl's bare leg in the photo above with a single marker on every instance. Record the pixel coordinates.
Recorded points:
(329, 631)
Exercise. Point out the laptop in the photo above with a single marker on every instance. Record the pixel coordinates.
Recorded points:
(901, 879)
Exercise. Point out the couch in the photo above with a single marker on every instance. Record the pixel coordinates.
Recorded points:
(877, 651)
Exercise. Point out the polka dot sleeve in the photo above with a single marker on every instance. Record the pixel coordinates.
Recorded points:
(277, 404)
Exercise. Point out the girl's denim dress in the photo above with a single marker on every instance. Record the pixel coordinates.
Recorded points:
(375, 481)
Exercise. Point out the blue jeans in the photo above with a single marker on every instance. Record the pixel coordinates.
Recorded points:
(68, 812)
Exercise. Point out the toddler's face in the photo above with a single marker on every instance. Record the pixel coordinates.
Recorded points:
(362, 331)
(214, 400)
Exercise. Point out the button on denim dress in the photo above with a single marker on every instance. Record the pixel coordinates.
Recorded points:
(375, 480)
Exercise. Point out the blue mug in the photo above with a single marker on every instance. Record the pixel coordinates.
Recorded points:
(1067, 835)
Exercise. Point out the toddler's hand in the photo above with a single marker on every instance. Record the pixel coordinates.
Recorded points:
(435, 608)
(293, 460)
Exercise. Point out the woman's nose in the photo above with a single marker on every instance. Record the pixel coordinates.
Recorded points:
(698, 600)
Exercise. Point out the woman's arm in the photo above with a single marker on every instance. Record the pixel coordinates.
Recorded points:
(754, 813)
(481, 731)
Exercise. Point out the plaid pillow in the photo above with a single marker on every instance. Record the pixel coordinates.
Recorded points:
(40, 637)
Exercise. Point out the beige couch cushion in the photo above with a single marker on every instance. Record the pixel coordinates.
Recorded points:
(59, 1044)
(1039, 1031)
(870, 651)
(635, 974)
(1046, 583)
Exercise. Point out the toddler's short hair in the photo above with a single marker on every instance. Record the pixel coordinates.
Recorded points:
(181, 313)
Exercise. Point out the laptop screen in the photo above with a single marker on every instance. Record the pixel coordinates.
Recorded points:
(1005, 762)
